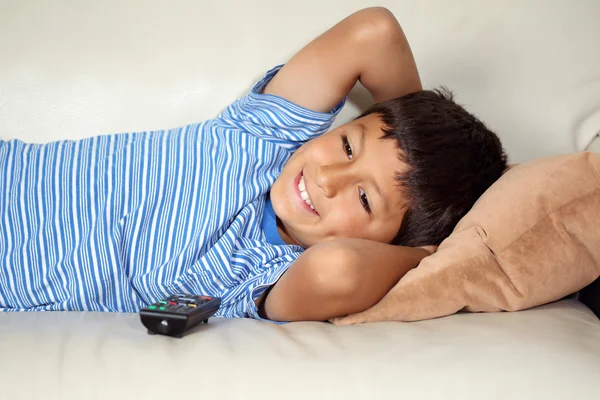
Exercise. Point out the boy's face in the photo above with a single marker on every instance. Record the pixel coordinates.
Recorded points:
(348, 176)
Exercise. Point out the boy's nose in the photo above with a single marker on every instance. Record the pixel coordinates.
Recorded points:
(332, 179)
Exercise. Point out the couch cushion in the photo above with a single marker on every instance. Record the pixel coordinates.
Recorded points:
(550, 352)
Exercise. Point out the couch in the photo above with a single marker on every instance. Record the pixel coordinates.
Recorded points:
(70, 70)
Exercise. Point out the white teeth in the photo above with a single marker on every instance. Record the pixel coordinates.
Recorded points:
(303, 193)
(302, 185)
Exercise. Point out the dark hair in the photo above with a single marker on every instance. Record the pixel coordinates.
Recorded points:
(452, 159)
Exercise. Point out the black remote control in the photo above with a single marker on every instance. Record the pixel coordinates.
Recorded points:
(178, 313)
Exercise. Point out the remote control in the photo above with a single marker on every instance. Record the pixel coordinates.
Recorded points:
(178, 313)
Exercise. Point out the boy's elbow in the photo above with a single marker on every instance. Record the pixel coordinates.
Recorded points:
(336, 276)
(376, 25)
(320, 291)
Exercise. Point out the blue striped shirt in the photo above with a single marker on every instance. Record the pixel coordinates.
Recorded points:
(115, 222)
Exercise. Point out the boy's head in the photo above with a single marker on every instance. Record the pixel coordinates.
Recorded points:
(404, 172)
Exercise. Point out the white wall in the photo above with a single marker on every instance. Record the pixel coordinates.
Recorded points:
(530, 69)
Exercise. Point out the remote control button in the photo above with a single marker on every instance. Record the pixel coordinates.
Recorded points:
(173, 303)
(162, 308)
(162, 302)
(152, 307)
(192, 305)
(206, 298)
(164, 326)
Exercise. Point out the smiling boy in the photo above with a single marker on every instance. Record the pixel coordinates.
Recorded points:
(409, 188)
(260, 206)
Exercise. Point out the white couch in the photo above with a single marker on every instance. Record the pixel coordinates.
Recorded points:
(75, 69)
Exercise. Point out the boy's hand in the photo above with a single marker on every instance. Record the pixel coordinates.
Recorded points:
(369, 46)
(336, 278)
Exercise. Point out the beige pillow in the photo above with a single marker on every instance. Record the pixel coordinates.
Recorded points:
(532, 238)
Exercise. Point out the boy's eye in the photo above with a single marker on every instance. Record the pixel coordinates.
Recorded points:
(346, 146)
(363, 200)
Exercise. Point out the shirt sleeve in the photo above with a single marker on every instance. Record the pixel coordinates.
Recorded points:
(262, 284)
(241, 301)
(275, 118)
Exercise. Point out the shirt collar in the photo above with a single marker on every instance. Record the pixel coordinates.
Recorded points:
(269, 224)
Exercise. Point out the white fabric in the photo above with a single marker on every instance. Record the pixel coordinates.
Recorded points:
(595, 145)
(552, 352)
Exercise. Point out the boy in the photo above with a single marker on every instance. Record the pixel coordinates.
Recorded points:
(246, 206)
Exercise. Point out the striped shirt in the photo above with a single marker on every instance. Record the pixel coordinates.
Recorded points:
(116, 222)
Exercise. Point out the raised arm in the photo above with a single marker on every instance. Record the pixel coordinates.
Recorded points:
(369, 46)
(344, 276)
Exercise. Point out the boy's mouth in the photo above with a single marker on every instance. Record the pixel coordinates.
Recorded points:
(302, 193)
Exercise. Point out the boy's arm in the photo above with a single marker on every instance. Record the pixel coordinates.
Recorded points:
(369, 46)
(344, 276)
(338, 278)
